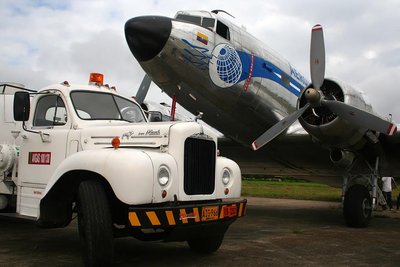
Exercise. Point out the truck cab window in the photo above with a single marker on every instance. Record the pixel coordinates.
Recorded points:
(129, 112)
(103, 106)
(50, 111)
(223, 30)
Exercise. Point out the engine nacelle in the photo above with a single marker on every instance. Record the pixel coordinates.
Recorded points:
(342, 158)
(325, 126)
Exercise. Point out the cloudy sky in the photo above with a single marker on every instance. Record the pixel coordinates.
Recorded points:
(49, 41)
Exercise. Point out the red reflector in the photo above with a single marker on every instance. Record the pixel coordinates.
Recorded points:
(164, 193)
(226, 191)
(115, 142)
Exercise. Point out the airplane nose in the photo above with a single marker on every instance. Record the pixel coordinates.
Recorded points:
(146, 36)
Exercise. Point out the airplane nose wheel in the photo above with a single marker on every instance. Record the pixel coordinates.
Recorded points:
(357, 206)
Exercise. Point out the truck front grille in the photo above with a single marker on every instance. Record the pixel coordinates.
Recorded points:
(199, 168)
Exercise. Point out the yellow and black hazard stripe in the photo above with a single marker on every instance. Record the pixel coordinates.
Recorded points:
(144, 217)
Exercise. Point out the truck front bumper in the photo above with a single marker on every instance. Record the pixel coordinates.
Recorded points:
(186, 214)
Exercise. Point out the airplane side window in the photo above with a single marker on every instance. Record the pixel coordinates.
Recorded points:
(223, 30)
(208, 23)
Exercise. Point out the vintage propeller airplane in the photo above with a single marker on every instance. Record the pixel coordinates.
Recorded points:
(211, 65)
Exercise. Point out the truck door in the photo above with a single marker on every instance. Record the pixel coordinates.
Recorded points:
(41, 154)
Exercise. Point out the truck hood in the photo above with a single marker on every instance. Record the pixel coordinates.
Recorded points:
(137, 135)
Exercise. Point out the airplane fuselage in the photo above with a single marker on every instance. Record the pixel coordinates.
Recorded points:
(221, 70)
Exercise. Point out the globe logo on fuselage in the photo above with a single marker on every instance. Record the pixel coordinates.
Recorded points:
(225, 67)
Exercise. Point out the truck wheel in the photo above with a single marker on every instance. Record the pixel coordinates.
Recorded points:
(206, 245)
(95, 224)
(357, 206)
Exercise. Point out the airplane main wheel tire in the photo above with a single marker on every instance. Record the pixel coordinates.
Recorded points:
(206, 245)
(357, 207)
(95, 224)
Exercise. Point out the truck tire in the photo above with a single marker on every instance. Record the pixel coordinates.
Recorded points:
(206, 245)
(95, 224)
(357, 206)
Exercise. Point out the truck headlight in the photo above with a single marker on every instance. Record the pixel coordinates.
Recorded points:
(163, 175)
(226, 177)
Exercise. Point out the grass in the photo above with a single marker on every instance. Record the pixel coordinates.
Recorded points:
(293, 189)
(290, 189)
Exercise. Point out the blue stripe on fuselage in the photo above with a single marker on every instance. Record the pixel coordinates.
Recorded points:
(267, 70)
(261, 68)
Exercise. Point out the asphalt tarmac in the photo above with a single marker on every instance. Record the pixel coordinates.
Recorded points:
(273, 233)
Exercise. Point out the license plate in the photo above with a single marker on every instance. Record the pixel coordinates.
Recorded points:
(209, 213)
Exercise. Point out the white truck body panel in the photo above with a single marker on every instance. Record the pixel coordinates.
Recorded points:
(29, 199)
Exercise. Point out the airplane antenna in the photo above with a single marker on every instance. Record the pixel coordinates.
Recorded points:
(223, 11)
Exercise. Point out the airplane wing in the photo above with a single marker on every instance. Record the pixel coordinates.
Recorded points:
(289, 155)
(297, 155)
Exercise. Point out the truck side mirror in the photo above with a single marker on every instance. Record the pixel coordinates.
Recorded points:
(154, 116)
(22, 106)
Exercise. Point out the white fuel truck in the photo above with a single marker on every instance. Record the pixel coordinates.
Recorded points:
(86, 150)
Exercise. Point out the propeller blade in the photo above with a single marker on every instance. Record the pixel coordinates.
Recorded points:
(360, 117)
(278, 128)
(143, 89)
(317, 56)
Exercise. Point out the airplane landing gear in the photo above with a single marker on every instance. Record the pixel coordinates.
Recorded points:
(361, 195)
(357, 206)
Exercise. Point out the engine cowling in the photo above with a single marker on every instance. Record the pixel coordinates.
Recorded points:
(342, 158)
(325, 126)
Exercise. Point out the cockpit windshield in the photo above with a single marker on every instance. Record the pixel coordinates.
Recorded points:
(201, 21)
(104, 106)
(219, 27)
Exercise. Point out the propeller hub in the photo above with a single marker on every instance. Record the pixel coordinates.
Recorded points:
(313, 96)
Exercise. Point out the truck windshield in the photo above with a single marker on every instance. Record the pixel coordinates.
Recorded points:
(104, 106)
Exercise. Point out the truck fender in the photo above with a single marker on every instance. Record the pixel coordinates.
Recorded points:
(235, 183)
(128, 171)
(128, 174)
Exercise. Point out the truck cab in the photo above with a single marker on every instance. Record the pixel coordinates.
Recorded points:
(88, 150)
(59, 119)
